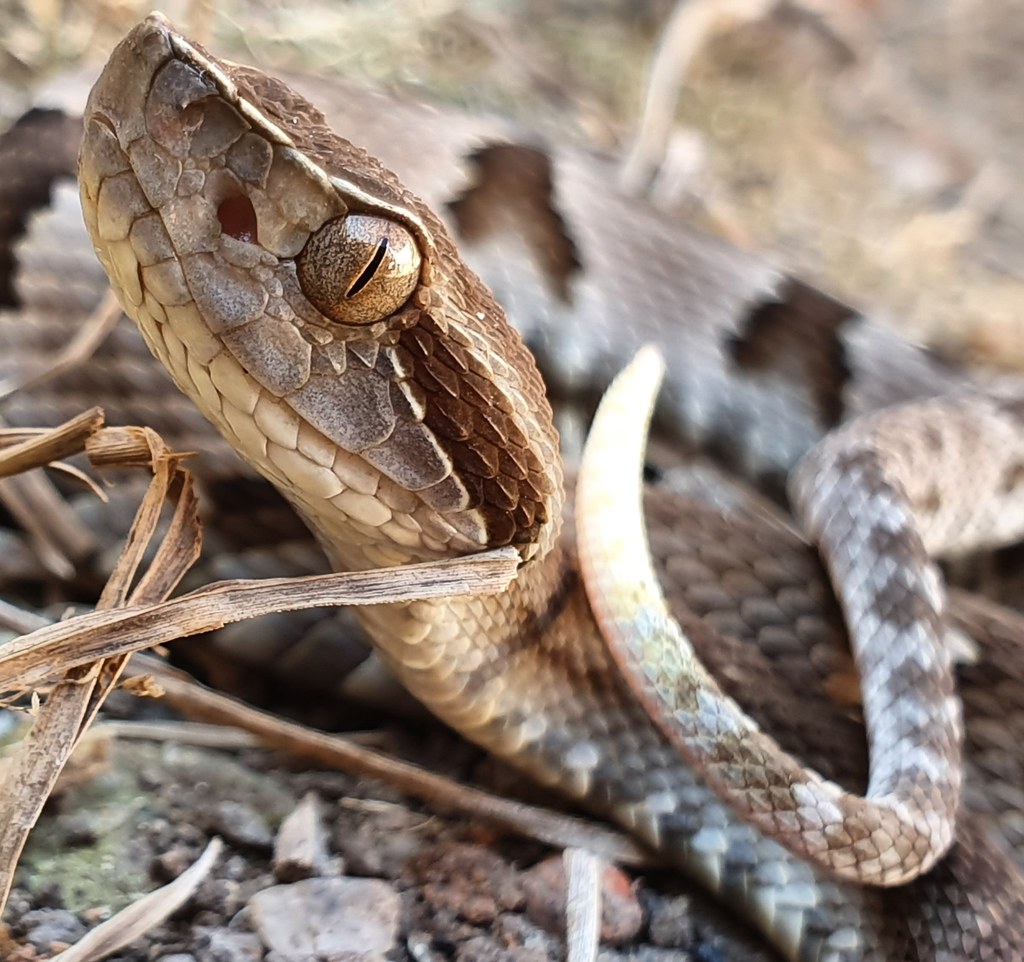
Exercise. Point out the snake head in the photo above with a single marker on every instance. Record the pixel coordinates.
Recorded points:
(314, 309)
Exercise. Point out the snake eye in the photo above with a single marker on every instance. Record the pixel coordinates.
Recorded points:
(359, 269)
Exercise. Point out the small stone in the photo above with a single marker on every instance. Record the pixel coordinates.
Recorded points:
(235, 868)
(300, 849)
(168, 865)
(372, 855)
(669, 921)
(222, 945)
(418, 944)
(645, 953)
(517, 930)
(95, 914)
(242, 825)
(78, 828)
(47, 928)
(327, 918)
(469, 880)
(217, 895)
(621, 914)
(177, 957)
(18, 904)
(483, 948)
(151, 778)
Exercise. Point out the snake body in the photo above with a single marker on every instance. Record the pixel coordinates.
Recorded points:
(406, 421)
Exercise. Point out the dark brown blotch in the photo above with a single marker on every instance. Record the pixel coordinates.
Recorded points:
(513, 192)
(798, 335)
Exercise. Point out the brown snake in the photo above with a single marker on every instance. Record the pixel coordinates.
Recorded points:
(404, 420)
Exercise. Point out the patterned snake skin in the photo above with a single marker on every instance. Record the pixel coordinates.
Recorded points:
(362, 416)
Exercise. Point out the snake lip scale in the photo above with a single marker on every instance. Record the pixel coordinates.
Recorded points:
(320, 317)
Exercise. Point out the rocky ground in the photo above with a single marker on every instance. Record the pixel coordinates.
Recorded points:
(321, 865)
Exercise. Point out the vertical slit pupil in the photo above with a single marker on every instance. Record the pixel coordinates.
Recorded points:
(367, 275)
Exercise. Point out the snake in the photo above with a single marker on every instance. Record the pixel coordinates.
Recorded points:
(319, 315)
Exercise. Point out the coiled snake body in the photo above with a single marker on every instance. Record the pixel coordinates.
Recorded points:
(319, 316)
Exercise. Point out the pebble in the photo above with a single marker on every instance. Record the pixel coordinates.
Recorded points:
(217, 895)
(469, 880)
(168, 865)
(324, 918)
(621, 914)
(670, 922)
(371, 854)
(45, 928)
(222, 945)
(243, 825)
(516, 929)
(300, 849)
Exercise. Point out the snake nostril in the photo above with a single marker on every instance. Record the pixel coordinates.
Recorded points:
(238, 218)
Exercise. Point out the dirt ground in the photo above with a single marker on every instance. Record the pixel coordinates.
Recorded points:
(875, 153)
(440, 887)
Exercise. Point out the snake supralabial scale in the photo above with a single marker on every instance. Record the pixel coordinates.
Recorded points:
(319, 315)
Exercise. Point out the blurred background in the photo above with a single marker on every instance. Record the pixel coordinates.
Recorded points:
(871, 147)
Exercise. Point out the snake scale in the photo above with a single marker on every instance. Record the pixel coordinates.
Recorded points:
(318, 314)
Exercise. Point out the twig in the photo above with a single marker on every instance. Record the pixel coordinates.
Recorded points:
(179, 732)
(60, 442)
(582, 904)
(144, 914)
(689, 28)
(90, 335)
(562, 831)
(33, 659)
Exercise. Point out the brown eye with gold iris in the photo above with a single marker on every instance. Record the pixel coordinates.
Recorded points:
(359, 269)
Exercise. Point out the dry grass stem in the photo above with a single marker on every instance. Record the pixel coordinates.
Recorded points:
(33, 659)
(690, 27)
(90, 334)
(582, 904)
(51, 445)
(179, 732)
(73, 702)
(552, 828)
(144, 914)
